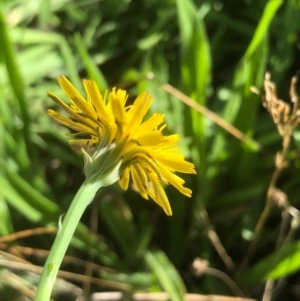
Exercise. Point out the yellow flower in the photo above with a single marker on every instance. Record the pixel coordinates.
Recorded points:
(117, 143)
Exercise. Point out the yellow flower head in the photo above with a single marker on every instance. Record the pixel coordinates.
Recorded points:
(117, 143)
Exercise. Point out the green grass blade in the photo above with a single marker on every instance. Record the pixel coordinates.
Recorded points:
(45, 13)
(6, 221)
(18, 202)
(8, 53)
(71, 63)
(276, 265)
(118, 219)
(167, 275)
(242, 105)
(93, 70)
(29, 36)
(249, 72)
(33, 197)
(265, 21)
(195, 70)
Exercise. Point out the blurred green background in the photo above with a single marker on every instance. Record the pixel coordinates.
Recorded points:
(212, 51)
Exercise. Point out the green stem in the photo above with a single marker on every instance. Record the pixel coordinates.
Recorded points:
(81, 200)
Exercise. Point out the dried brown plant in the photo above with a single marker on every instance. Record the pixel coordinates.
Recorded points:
(285, 116)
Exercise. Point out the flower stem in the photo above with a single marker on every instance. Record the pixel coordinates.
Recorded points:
(81, 200)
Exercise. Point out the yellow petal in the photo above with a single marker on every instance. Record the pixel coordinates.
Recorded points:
(95, 97)
(152, 123)
(79, 143)
(176, 181)
(150, 138)
(117, 101)
(138, 110)
(75, 97)
(69, 110)
(124, 179)
(77, 126)
(158, 194)
(173, 161)
(139, 179)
